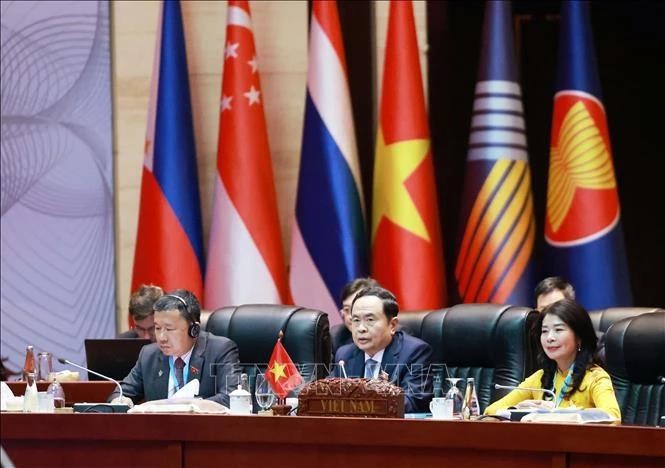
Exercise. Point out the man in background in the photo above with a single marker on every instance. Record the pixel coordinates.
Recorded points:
(551, 290)
(340, 335)
(140, 310)
(379, 350)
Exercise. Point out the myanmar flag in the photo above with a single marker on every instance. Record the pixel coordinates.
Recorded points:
(407, 256)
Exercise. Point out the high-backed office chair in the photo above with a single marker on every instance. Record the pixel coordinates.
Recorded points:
(491, 343)
(635, 353)
(603, 319)
(255, 328)
(412, 322)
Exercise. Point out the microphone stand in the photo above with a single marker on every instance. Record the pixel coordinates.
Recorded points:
(88, 407)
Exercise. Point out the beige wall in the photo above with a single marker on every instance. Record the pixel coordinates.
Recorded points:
(280, 30)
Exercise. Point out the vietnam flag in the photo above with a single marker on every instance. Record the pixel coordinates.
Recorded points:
(407, 256)
(245, 258)
(282, 373)
(169, 242)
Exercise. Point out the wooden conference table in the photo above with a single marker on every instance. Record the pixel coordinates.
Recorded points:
(170, 440)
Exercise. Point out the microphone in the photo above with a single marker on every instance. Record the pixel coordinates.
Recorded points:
(341, 364)
(85, 407)
(514, 387)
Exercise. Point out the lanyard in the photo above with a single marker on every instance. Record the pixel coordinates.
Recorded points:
(567, 383)
(185, 372)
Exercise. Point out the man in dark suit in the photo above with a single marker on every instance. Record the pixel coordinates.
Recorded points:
(140, 309)
(380, 351)
(181, 354)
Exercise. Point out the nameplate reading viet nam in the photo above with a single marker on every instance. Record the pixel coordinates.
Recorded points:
(351, 397)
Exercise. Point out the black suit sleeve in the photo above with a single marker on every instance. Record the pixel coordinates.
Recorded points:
(132, 385)
(416, 380)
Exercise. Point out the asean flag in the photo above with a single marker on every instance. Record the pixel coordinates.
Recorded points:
(495, 259)
(583, 221)
(169, 246)
(407, 256)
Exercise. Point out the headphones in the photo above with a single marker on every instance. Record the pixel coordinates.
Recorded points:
(194, 328)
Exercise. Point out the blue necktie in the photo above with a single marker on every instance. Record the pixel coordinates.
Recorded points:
(370, 366)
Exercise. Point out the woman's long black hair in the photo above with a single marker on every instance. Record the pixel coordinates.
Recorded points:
(573, 315)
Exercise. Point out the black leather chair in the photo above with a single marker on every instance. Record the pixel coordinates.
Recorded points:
(491, 343)
(255, 328)
(635, 353)
(603, 319)
(412, 322)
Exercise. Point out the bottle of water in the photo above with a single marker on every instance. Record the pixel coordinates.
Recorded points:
(30, 399)
(471, 407)
(29, 366)
(58, 393)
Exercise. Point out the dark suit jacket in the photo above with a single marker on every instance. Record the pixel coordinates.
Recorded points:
(128, 334)
(214, 362)
(406, 360)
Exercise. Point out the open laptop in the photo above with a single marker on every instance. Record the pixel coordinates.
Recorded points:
(113, 357)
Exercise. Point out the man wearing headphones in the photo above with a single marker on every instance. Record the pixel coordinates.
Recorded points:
(181, 354)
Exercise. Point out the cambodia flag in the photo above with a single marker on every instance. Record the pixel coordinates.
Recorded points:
(582, 226)
(169, 247)
(245, 257)
(328, 245)
(407, 256)
(495, 259)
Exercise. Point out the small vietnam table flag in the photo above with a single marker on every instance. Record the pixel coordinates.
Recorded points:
(282, 373)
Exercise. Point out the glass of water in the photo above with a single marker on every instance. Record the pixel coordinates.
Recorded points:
(265, 397)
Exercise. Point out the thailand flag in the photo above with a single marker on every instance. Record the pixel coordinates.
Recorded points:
(245, 257)
(495, 260)
(582, 226)
(169, 246)
(328, 246)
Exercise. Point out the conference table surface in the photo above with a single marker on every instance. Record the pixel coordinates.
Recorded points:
(175, 440)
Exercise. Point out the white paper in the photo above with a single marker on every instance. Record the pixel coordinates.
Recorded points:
(5, 395)
(571, 415)
(180, 405)
(190, 390)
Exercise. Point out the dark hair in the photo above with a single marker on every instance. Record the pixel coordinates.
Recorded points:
(174, 300)
(573, 315)
(390, 306)
(554, 283)
(356, 285)
(141, 302)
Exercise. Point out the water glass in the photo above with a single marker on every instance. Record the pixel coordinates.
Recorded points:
(455, 394)
(265, 397)
(45, 402)
(44, 366)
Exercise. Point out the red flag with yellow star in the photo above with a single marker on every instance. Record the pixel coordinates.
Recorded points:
(407, 256)
(282, 373)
